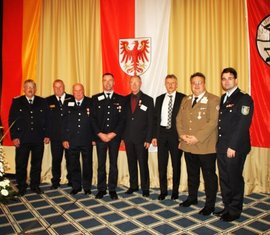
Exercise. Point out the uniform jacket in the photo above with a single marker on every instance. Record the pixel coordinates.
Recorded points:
(235, 118)
(30, 121)
(139, 125)
(77, 128)
(108, 115)
(56, 116)
(200, 121)
(157, 113)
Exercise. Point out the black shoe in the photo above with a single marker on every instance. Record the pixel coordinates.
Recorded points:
(228, 217)
(87, 191)
(207, 210)
(75, 191)
(145, 193)
(219, 213)
(55, 186)
(100, 194)
(162, 196)
(113, 195)
(37, 190)
(131, 190)
(22, 192)
(188, 202)
(174, 196)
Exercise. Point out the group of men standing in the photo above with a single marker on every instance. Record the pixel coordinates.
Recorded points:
(201, 125)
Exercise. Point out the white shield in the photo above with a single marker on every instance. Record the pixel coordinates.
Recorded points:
(245, 110)
(134, 55)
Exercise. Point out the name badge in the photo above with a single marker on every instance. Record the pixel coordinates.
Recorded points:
(143, 107)
(71, 104)
(101, 97)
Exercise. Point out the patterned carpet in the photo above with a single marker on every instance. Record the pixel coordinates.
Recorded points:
(58, 212)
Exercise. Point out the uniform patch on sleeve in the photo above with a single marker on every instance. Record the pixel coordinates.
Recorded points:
(245, 110)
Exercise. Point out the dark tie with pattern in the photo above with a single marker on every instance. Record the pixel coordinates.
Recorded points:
(169, 123)
(194, 101)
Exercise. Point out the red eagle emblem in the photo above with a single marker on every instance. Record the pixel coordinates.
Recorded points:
(134, 59)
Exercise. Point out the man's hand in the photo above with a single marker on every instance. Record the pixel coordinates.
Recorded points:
(189, 139)
(66, 144)
(46, 140)
(16, 142)
(192, 139)
(230, 153)
(111, 135)
(104, 137)
(146, 145)
(154, 142)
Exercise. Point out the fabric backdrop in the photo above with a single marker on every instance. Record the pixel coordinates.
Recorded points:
(77, 41)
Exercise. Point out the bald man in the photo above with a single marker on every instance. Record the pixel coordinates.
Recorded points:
(77, 138)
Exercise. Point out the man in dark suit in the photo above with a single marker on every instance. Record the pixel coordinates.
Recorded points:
(28, 129)
(166, 137)
(77, 136)
(138, 135)
(235, 116)
(57, 103)
(108, 123)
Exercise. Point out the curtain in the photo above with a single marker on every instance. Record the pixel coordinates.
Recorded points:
(70, 45)
(203, 35)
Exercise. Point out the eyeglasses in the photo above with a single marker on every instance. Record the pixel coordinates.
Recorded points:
(197, 83)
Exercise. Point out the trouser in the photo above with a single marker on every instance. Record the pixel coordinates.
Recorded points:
(168, 143)
(232, 182)
(57, 151)
(207, 162)
(102, 148)
(137, 153)
(21, 159)
(81, 178)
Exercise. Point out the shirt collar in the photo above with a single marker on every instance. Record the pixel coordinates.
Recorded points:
(62, 96)
(79, 101)
(108, 93)
(30, 98)
(199, 96)
(172, 94)
(228, 93)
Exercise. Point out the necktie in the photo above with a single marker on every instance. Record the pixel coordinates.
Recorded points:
(79, 103)
(133, 103)
(169, 124)
(108, 96)
(60, 101)
(30, 101)
(194, 101)
(225, 99)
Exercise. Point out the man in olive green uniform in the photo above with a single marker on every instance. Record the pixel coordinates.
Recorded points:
(196, 125)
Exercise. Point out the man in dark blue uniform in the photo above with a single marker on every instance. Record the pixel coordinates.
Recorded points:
(28, 129)
(57, 103)
(108, 123)
(235, 116)
(77, 136)
(138, 135)
(166, 137)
